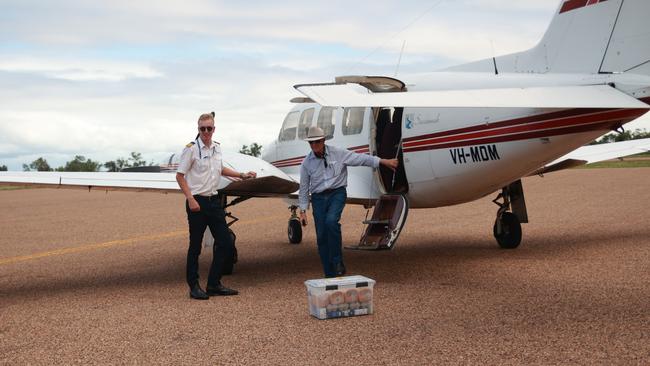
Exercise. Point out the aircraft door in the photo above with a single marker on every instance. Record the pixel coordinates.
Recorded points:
(388, 144)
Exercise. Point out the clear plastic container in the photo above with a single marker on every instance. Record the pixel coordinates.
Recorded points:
(340, 297)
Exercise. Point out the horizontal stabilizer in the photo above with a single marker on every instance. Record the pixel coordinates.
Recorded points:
(593, 96)
(595, 153)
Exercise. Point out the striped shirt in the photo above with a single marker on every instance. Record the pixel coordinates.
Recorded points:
(318, 175)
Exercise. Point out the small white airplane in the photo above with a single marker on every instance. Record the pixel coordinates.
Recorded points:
(461, 133)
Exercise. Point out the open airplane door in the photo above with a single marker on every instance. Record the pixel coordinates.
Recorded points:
(391, 209)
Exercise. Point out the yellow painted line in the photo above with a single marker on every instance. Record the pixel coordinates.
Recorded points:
(88, 247)
(113, 243)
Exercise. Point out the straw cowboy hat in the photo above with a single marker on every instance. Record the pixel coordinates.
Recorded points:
(315, 134)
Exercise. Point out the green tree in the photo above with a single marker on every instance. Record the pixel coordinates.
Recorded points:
(622, 136)
(39, 164)
(80, 164)
(116, 165)
(3, 168)
(135, 160)
(111, 166)
(254, 150)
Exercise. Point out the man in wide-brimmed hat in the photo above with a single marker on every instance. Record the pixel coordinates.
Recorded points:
(324, 175)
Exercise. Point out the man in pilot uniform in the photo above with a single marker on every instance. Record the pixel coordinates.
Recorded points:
(198, 175)
(324, 175)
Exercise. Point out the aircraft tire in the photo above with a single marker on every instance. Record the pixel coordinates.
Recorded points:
(510, 236)
(294, 231)
(229, 263)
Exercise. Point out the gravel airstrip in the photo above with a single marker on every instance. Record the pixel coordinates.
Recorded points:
(98, 278)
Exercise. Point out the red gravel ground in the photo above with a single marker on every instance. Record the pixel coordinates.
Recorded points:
(98, 278)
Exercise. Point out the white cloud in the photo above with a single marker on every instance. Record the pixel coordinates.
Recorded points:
(78, 70)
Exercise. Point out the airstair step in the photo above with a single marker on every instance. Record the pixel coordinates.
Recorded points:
(363, 246)
(370, 222)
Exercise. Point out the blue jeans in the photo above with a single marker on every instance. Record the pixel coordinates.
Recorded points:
(327, 207)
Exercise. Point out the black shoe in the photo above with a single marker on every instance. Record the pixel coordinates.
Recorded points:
(221, 290)
(196, 292)
(340, 269)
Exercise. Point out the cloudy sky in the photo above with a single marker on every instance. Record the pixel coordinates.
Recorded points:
(104, 78)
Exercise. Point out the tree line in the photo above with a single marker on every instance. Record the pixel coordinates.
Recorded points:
(82, 164)
(622, 136)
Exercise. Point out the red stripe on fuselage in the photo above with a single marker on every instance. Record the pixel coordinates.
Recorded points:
(577, 4)
(468, 137)
(605, 125)
(510, 122)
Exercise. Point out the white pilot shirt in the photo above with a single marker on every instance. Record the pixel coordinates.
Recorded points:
(202, 167)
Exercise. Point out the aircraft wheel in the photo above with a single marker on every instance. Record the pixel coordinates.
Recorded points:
(510, 235)
(229, 263)
(294, 231)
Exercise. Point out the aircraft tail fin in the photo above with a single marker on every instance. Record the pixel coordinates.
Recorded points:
(585, 36)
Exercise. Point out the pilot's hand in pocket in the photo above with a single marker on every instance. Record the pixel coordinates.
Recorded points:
(194, 206)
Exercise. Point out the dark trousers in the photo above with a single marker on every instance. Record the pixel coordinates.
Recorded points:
(213, 216)
(327, 207)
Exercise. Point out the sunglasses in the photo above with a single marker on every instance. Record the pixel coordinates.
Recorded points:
(206, 128)
(315, 142)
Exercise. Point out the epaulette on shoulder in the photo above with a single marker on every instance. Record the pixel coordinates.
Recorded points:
(190, 144)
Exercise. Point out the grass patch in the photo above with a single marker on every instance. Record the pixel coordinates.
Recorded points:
(618, 164)
(12, 188)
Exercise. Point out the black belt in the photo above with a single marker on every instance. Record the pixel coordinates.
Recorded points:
(331, 190)
(209, 198)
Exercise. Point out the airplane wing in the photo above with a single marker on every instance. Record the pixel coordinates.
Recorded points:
(595, 153)
(270, 180)
(591, 96)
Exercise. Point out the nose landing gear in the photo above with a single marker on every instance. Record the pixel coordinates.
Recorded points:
(507, 226)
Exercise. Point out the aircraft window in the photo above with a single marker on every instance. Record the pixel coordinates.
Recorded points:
(327, 120)
(352, 121)
(305, 122)
(289, 127)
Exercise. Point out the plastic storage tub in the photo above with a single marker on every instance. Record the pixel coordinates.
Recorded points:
(340, 297)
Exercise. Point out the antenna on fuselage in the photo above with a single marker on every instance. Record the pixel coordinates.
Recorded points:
(494, 59)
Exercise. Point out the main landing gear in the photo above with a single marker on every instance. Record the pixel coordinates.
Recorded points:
(208, 240)
(229, 263)
(294, 228)
(511, 213)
